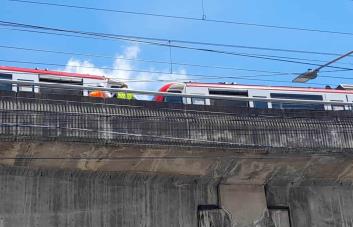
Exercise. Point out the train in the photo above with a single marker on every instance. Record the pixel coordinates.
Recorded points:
(341, 96)
(56, 77)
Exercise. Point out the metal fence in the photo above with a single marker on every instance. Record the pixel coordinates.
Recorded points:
(26, 116)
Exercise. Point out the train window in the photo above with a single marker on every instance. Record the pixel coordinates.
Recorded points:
(26, 88)
(60, 80)
(337, 107)
(5, 86)
(174, 99)
(230, 103)
(277, 105)
(260, 105)
(198, 101)
(229, 93)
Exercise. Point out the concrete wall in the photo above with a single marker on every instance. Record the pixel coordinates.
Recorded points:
(325, 206)
(214, 218)
(322, 204)
(61, 198)
(316, 205)
(246, 205)
(45, 198)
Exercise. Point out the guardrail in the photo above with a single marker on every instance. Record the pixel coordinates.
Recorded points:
(153, 93)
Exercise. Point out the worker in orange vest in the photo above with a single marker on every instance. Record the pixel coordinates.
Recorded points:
(99, 94)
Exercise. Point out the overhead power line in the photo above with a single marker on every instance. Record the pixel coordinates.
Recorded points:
(272, 73)
(202, 19)
(202, 76)
(230, 45)
(158, 42)
(109, 36)
(156, 61)
(133, 59)
(189, 76)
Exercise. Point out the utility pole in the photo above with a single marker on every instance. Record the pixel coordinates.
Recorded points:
(313, 73)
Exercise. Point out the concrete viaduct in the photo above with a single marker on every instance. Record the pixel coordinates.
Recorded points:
(74, 161)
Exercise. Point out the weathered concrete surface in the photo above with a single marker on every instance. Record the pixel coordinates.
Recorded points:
(315, 204)
(64, 198)
(214, 218)
(246, 204)
(322, 206)
(231, 166)
(280, 217)
(234, 166)
(184, 151)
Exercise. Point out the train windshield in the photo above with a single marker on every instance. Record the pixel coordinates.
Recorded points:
(5, 86)
(174, 99)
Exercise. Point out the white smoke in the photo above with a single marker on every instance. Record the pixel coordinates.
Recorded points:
(127, 71)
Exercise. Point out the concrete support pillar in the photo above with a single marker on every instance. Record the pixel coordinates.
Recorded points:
(246, 205)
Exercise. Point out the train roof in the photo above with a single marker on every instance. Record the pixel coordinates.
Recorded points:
(50, 72)
(344, 89)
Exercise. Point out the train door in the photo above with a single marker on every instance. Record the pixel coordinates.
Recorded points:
(350, 101)
(260, 104)
(26, 77)
(197, 91)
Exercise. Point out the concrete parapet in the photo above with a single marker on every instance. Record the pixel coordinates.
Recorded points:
(66, 198)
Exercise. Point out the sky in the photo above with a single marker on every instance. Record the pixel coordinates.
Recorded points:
(314, 14)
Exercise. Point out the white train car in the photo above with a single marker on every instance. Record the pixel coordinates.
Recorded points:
(342, 94)
(38, 75)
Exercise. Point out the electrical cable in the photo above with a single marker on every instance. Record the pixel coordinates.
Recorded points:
(145, 71)
(203, 10)
(157, 42)
(200, 43)
(155, 61)
(210, 77)
(202, 19)
(250, 77)
(132, 59)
